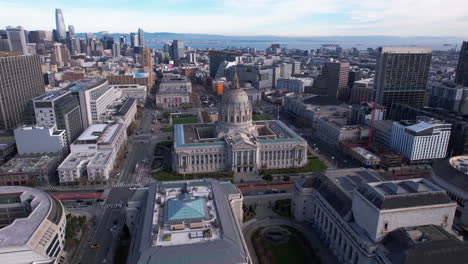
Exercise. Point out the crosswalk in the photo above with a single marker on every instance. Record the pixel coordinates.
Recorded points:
(113, 206)
(129, 185)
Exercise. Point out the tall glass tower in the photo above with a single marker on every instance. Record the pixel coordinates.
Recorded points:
(141, 39)
(60, 24)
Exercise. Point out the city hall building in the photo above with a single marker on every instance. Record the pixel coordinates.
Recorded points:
(236, 143)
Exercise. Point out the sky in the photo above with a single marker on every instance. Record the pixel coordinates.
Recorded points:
(247, 17)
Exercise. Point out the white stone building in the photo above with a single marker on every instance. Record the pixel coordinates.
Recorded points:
(173, 91)
(236, 143)
(94, 152)
(295, 85)
(420, 141)
(333, 132)
(136, 91)
(362, 219)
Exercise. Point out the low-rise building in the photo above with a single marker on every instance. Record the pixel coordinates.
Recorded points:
(173, 91)
(32, 226)
(188, 222)
(295, 85)
(29, 170)
(41, 140)
(423, 140)
(367, 158)
(135, 91)
(333, 132)
(314, 107)
(361, 114)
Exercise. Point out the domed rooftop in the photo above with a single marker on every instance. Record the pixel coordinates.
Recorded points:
(235, 96)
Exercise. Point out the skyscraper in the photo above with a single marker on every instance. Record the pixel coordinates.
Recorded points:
(122, 40)
(461, 76)
(219, 57)
(333, 80)
(141, 37)
(178, 51)
(60, 24)
(71, 30)
(115, 49)
(401, 75)
(20, 80)
(17, 39)
(134, 40)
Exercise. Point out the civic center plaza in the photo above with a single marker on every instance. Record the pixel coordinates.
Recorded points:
(236, 143)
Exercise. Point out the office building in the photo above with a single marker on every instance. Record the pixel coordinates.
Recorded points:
(219, 57)
(361, 114)
(236, 143)
(5, 45)
(366, 221)
(95, 95)
(401, 75)
(34, 229)
(458, 144)
(333, 80)
(37, 36)
(421, 140)
(135, 91)
(147, 63)
(134, 40)
(27, 170)
(188, 222)
(178, 51)
(17, 39)
(116, 49)
(62, 109)
(333, 132)
(60, 25)
(295, 85)
(122, 40)
(461, 76)
(93, 154)
(41, 140)
(453, 98)
(141, 37)
(362, 91)
(311, 108)
(260, 77)
(20, 80)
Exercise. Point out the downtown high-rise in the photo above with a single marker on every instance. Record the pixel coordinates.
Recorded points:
(461, 76)
(20, 80)
(141, 37)
(60, 24)
(401, 75)
(333, 80)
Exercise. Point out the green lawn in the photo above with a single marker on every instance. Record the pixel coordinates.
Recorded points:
(314, 164)
(290, 252)
(185, 120)
(296, 250)
(261, 117)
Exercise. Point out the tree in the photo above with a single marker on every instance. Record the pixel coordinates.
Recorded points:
(286, 178)
(166, 115)
(267, 177)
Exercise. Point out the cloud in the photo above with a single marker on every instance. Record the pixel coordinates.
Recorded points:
(250, 17)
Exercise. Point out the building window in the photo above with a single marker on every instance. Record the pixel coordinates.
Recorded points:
(385, 226)
(445, 221)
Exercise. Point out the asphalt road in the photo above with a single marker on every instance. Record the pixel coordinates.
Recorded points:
(106, 233)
